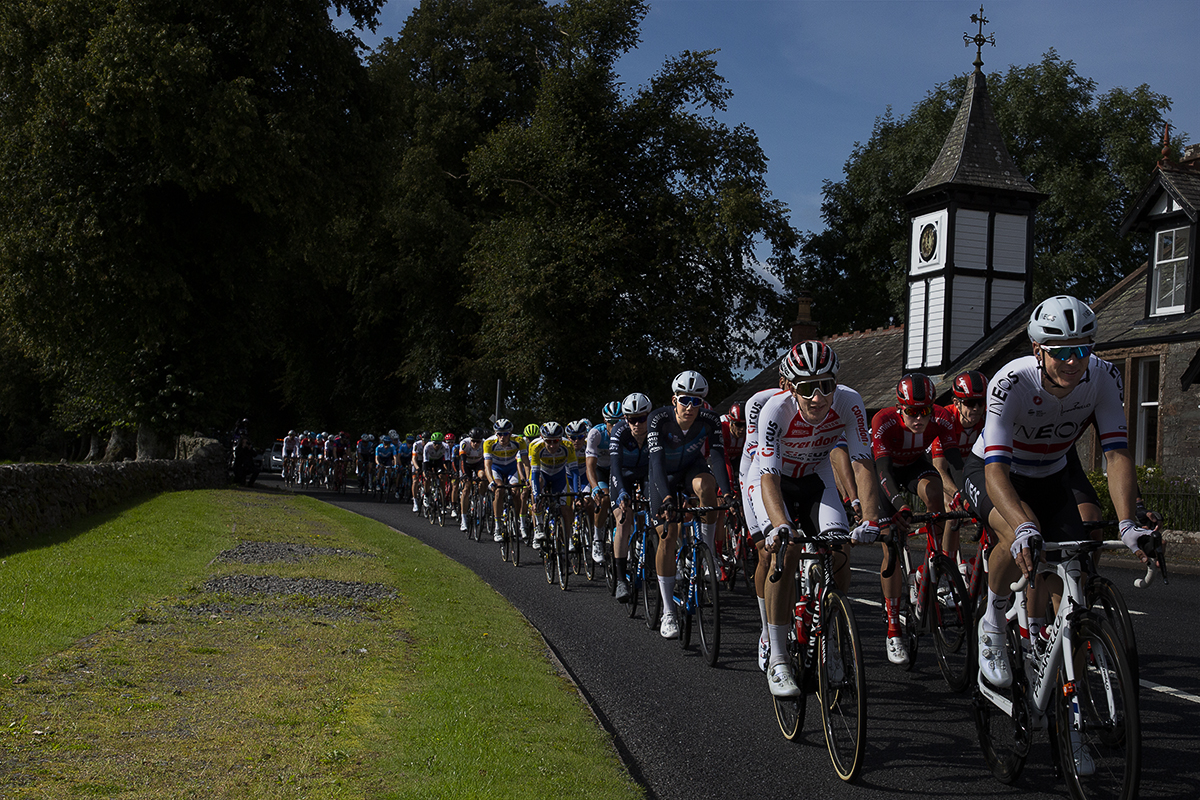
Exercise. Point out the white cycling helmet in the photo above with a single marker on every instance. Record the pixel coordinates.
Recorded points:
(809, 360)
(635, 405)
(690, 382)
(1060, 319)
(612, 411)
(502, 425)
(577, 428)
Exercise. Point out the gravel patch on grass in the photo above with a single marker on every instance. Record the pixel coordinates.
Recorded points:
(247, 585)
(285, 552)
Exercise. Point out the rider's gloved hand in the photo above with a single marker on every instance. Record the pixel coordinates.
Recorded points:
(865, 532)
(772, 535)
(1024, 532)
(597, 492)
(1131, 536)
(622, 499)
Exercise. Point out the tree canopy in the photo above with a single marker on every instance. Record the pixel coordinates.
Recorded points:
(1089, 152)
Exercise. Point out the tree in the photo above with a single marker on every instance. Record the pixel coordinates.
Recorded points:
(1090, 153)
(623, 248)
(167, 168)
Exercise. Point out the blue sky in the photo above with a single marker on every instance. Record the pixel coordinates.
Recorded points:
(810, 76)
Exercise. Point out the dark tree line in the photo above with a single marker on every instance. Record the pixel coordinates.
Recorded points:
(217, 209)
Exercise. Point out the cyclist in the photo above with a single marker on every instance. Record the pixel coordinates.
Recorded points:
(676, 438)
(306, 449)
(418, 474)
(528, 436)
(470, 454)
(798, 429)
(596, 462)
(746, 475)
(385, 456)
(1017, 477)
(435, 461)
(500, 466)
(549, 457)
(454, 467)
(900, 436)
(404, 449)
(291, 451)
(628, 466)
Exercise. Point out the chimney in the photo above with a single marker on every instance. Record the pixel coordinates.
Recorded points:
(1191, 153)
(804, 328)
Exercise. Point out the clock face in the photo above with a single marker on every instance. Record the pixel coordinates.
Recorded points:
(928, 243)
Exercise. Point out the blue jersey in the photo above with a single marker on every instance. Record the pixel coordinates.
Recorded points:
(674, 451)
(404, 450)
(385, 453)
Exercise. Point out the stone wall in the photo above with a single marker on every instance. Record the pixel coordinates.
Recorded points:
(35, 498)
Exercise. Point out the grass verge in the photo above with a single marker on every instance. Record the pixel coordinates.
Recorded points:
(141, 665)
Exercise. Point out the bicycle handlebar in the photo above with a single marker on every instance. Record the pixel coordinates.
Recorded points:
(938, 516)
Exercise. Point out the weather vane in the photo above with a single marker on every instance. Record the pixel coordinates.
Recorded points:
(979, 40)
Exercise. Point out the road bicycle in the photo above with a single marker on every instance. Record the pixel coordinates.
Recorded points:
(934, 599)
(697, 585)
(554, 542)
(582, 531)
(386, 483)
(510, 525)
(737, 553)
(825, 652)
(1075, 683)
(479, 508)
(608, 564)
(339, 475)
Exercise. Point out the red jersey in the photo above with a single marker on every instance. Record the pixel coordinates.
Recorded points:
(890, 438)
(965, 437)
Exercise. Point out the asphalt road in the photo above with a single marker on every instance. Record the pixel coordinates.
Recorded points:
(687, 730)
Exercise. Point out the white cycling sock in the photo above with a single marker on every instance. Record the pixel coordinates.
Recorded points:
(779, 644)
(762, 612)
(666, 587)
(993, 616)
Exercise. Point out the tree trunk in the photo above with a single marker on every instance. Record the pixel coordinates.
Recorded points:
(96, 450)
(149, 444)
(120, 445)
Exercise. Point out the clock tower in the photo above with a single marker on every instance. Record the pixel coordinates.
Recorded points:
(971, 252)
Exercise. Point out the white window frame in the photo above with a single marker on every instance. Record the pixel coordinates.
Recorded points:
(1143, 450)
(1176, 264)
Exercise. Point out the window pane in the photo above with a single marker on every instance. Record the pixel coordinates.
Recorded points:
(1166, 245)
(1166, 287)
(1181, 243)
(1151, 394)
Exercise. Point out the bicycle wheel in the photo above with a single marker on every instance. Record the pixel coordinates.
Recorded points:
(684, 609)
(589, 534)
(708, 605)
(504, 536)
(951, 617)
(563, 552)
(789, 711)
(1104, 598)
(549, 560)
(575, 552)
(1003, 722)
(634, 569)
(910, 625)
(610, 570)
(651, 596)
(1101, 756)
(514, 537)
(843, 689)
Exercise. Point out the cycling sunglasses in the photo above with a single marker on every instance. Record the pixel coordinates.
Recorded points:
(808, 389)
(972, 403)
(919, 411)
(637, 420)
(1079, 351)
(688, 400)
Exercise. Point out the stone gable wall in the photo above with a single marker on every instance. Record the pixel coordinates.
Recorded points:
(35, 498)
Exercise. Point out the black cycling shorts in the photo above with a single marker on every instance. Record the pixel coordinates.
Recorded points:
(1051, 499)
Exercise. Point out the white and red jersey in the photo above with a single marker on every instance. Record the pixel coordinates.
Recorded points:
(1031, 430)
(291, 446)
(791, 447)
(471, 453)
(965, 437)
(750, 441)
(890, 438)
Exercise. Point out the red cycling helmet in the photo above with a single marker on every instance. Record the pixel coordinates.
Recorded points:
(736, 414)
(969, 385)
(914, 390)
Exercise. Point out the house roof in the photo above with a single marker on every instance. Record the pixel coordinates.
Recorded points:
(1180, 181)
(1121, 311)
(974, 153)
